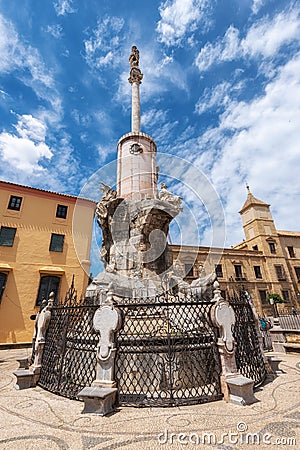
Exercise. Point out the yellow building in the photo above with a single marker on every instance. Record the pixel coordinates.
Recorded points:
(45, 239)
(266, 262)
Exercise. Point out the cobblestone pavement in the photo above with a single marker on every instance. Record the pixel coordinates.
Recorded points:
(34, 419)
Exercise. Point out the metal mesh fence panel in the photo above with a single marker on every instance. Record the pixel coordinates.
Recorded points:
(249, 358)
(69, 358)
(167, 353)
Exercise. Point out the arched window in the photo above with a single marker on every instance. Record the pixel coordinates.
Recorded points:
(47, 284)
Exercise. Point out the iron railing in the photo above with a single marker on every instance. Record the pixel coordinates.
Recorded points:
(166, 350)
(249, 358)
(167, 353)
(289, 322)
(69, 357)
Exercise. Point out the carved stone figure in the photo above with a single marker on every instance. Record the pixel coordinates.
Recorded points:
(176, 282)
(108, 195)
(134, 57)
(42, 323)
(168, 197)
(201, 285)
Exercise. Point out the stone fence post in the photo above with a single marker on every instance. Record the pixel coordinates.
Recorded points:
(29, 377)
(235, 387)
(101, 396)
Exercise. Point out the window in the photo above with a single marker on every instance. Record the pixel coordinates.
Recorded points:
(57, 242)
(297, 270)
(255, 247)
(14, 203)
(291, 252)
(285, 296)
(238, 272)
(3, 277)
(257, 272)
(61, 211)
(47, 284)
(263, 296)
(280, 272)
(219, 271)
(272, 247)
(7, 236)
(223, 294)
(189, 270)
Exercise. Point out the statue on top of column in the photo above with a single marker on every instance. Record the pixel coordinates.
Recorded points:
(134, 57)
(136, 75)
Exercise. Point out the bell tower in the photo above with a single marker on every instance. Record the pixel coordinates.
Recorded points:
(256, 218)
(137, 171)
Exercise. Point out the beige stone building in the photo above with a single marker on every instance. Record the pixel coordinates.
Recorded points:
(45, 239)
(266, 262)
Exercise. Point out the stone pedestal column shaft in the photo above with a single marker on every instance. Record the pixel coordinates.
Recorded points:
(135, 108)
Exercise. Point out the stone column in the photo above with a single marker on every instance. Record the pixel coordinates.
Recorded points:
(135, 108)
(135, 80)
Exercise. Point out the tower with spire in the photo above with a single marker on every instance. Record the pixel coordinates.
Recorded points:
(256, 218)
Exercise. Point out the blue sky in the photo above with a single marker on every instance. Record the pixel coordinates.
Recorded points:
(221, 88)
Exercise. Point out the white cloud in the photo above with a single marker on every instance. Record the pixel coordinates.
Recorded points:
(257, 5)
(31, 128)
(105, 60)
(219, 96)
(26, 63)
(102, 46)
(211, 98)
(153, 117)
(225, 49)
(258, 141)
(156, 122)
(266, 37)
(63, 7)
(55, 30)
(25, 150)
(179, 17)
(263, 39)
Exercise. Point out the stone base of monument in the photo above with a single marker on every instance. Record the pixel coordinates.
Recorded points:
(274, 362)
(25, 378)
(241, 390)
(98, 400)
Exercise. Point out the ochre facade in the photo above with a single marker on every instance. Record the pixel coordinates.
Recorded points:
(45, 239)
(266, 262)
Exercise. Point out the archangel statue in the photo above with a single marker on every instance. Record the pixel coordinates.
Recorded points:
(134, 57)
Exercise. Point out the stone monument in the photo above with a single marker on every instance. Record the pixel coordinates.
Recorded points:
(135, 217)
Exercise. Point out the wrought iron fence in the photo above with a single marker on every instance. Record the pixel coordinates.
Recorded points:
(167, 353)
(69, 358)
(248, 355)
(166, 350)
